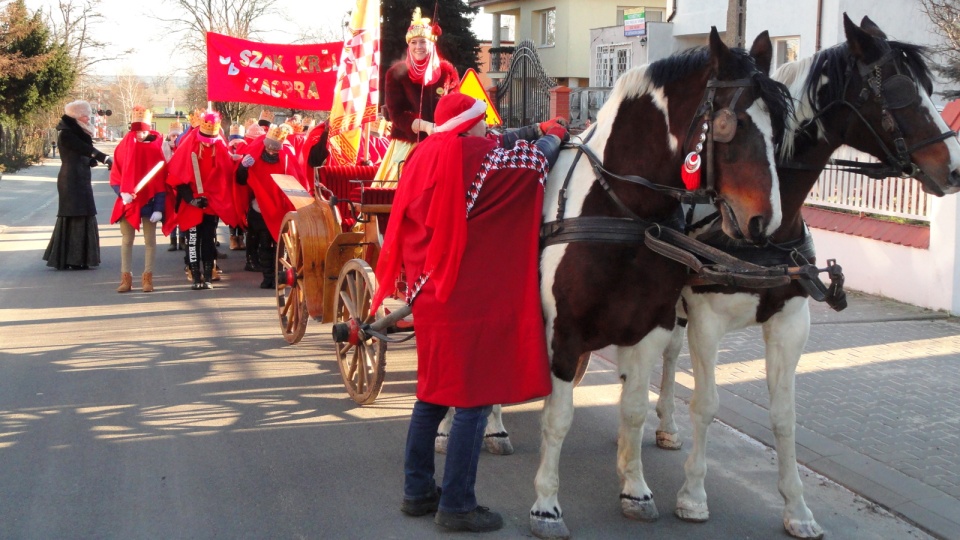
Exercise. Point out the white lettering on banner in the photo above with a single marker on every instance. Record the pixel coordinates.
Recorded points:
(258, 60)
(281, 89)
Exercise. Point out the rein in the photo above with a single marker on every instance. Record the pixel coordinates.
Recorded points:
(900, 92)
(666, 237)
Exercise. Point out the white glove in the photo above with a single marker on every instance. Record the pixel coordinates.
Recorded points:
(422, 125)
(127, 197)
(156, 216)
(247, 161)
(235, 157)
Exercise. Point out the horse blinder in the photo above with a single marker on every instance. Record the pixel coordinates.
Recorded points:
(724, 125)
(899, 91)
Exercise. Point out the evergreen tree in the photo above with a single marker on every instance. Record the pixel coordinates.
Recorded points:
(457, 44)
(34, 72)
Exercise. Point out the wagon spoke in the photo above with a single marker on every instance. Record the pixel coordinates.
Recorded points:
(349, 306)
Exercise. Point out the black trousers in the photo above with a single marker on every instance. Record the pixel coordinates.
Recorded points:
(201, 241)
(259, 236)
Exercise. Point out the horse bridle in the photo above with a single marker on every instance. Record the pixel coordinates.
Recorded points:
(716, 127)
(894, 92)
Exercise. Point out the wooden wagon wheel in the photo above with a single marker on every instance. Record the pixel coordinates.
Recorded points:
(291, 296)
(362, 365)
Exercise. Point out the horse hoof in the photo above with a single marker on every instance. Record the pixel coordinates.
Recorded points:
(669, 441)
(549, 528)
(499, 445)
(692, 512)
(803, 529)
(440, 443)
(637, 509)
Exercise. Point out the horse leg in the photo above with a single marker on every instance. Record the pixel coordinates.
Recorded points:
(443, 432)
(546, 517)
(704, 331)
(668, 436)
(785, 335)
(496, 439)
(635, 364)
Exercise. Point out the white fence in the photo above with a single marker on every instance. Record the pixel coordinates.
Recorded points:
(895, 197)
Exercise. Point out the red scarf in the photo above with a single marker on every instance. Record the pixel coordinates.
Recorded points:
(426, 72)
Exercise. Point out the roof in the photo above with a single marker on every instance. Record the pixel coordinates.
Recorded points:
(951, 114)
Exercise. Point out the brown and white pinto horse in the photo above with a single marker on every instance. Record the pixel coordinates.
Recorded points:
(865, 93)
(601, 292)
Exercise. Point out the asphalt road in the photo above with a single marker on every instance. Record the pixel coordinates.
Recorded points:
(183, 414)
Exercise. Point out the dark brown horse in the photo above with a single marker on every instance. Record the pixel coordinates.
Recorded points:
(869, 93)
(617, 291)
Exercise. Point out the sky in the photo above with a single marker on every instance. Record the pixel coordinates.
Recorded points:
(133, 24)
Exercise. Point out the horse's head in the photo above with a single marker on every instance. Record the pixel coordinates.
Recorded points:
(886, 87)
(736, 128)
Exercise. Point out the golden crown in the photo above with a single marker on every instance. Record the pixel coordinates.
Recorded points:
(266, 115)
(210, 123)
(277, 134)
(141, 114)
(194, 117)
(421, 27)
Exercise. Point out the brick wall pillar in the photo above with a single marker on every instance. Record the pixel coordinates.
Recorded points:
(560, 102)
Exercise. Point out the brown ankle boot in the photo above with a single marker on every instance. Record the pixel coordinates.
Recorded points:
(147, 281)
(234, 242)
(126, 282)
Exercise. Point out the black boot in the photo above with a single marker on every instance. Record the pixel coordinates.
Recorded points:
(197, 276)
(269, 281)
(173, 242)
(207, 274)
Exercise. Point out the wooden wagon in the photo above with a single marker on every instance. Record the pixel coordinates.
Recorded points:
(326, 252)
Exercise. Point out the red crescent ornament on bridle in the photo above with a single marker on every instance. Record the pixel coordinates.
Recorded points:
(690, 171)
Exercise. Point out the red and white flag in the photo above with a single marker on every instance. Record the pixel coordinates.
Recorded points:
(358, 84)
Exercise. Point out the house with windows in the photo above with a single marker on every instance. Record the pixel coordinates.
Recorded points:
(560, 29)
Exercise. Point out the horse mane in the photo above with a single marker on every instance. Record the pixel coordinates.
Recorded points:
(794, 76)
(815, 91)
(645, 79)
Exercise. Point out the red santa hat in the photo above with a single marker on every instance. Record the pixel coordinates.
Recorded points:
(458, 112)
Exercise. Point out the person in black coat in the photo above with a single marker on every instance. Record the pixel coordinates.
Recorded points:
(75, 243)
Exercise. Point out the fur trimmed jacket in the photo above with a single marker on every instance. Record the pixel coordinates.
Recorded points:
(403, 98)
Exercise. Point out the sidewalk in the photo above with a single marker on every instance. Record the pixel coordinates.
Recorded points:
(878, 403)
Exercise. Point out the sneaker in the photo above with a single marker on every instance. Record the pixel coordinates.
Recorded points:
(421, 507)
(480, 519)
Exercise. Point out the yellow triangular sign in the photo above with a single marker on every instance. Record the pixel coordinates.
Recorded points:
(470, 85)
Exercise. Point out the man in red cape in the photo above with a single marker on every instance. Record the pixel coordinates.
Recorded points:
(263, 158)
(464, 229)
(139, 152)
(199, 210)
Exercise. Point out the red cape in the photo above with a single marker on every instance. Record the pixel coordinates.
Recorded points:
(132, 160)
(483, 342)
(273, 203)
(216, 172)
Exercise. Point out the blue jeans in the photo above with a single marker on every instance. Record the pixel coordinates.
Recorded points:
(463, 454)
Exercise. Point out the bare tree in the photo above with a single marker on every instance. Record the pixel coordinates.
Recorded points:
(235, 18)
(945, 15)
(128, 90)
(72, 23)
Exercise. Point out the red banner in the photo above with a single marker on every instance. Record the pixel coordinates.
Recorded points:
(290, 76)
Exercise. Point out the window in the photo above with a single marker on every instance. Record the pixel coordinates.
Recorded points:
(612, 61)
(786, 49)
(548, 27)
